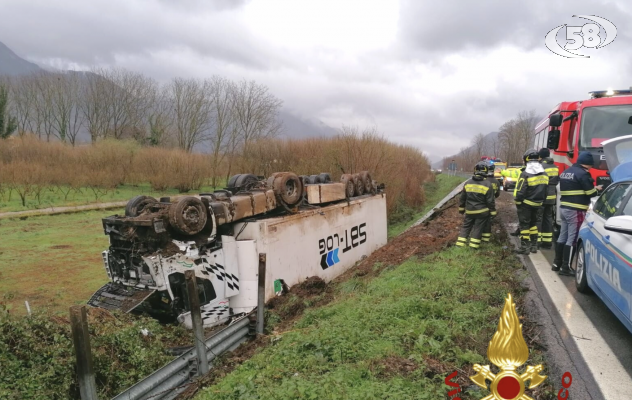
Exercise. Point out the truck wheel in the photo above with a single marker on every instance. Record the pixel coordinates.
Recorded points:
(137, 205)
(367, 181)
(359, 185)
(188, 216)
(244, 181)
(324, 177)
(347, 180)
(288, 187)
(581, 280)
(232, 180)
(314, 179)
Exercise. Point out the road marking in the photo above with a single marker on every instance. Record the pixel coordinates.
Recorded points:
(611, 377)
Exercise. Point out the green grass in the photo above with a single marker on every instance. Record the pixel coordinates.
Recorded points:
(441, 310)
(52, 261)
(435, 191)
(55, 198)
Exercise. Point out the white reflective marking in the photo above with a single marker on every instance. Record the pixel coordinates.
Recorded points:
(612, 379)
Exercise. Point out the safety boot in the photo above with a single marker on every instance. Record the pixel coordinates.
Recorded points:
(524, 247)
(566, 260)
(559, 255)
(534, 243)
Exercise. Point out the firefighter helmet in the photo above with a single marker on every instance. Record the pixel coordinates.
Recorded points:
(531, 155)
(481, 168)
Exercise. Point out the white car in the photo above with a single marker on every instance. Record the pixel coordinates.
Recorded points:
(604, 247)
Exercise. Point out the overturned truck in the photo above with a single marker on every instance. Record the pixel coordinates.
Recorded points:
(306, 226)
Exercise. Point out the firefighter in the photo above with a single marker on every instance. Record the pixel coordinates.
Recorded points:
(545, 219)
(514, 174)
(576, 189)
(487, 231)
(478, 204)
(529, 195)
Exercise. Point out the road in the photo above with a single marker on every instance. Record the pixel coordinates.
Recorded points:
(585, 338)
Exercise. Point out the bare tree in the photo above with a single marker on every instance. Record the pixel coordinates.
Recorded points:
(191, 110)
(256, 112)
(223, 117)
(159, 116)
(93, 107)
(23, 96)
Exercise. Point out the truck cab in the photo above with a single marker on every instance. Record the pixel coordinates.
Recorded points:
(576, 126)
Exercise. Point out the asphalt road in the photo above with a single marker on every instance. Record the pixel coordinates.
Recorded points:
(582, 335)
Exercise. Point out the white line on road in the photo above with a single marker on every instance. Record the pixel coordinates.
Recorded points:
(611, 377)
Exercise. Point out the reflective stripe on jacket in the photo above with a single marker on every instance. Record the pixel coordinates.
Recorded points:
(554, 178)
(576, 188)
(477, 197)
(495, 186)
(532, 185)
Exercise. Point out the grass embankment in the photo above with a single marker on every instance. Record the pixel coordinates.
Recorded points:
(56, 198)
(394, 337)
(38, 361)
(434, 191)
(52, 261)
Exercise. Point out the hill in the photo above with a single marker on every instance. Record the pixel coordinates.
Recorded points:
(12, 64)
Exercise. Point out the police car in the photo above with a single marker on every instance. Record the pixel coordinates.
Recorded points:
(603, 259)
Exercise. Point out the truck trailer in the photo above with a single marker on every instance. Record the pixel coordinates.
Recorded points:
(305, 229)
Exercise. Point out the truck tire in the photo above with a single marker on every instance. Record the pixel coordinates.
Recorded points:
(137, 205)
(347, 180)
(314, 179)
(288, 188)
(188, 216)
(243, 182)
(232, 180)
(367, 181)
(359, 185)
(324, 177)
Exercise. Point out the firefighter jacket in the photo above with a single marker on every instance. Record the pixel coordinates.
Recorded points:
(532, 185)
(513, 173)
(576, 188)
(495, 186)
(554, 178)
(477, 197)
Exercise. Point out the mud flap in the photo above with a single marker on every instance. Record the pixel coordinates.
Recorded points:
(115, 297)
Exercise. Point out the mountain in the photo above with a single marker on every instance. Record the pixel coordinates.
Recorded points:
(12, 64)
(297, 127)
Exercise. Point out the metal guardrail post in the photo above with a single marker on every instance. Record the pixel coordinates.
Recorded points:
(81, 339)
(196, 321)
(261, 294)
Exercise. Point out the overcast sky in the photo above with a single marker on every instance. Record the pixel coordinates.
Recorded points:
(427, 73)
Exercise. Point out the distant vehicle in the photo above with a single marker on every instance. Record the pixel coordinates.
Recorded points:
(499, 166)
(603, 261)
(583, 125)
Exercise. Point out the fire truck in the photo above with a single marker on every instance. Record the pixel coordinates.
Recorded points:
(575, 126)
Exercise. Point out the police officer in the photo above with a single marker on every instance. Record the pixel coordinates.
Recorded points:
(487, 230)
(545, 219)
(529, 195)
(478, 204)
(576, 189)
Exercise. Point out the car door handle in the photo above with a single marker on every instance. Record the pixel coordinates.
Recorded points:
(606, 239)
(590, 223)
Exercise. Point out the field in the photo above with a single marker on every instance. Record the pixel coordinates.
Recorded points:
(56, 198)
(52, 261)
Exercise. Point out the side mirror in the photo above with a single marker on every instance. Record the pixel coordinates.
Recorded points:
(554, 139)
(555, 120)
(621, 224)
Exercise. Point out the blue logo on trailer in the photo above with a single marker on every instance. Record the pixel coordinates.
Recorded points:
(329, 259)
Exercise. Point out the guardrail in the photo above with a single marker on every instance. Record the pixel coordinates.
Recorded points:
(439, 205)
(169, 381)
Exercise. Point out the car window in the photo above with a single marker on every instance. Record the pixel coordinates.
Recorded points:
(611, 200)
(627, 210)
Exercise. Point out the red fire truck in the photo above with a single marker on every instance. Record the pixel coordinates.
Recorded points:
(583, 125)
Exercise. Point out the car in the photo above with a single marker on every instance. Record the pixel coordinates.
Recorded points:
(603, 260)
